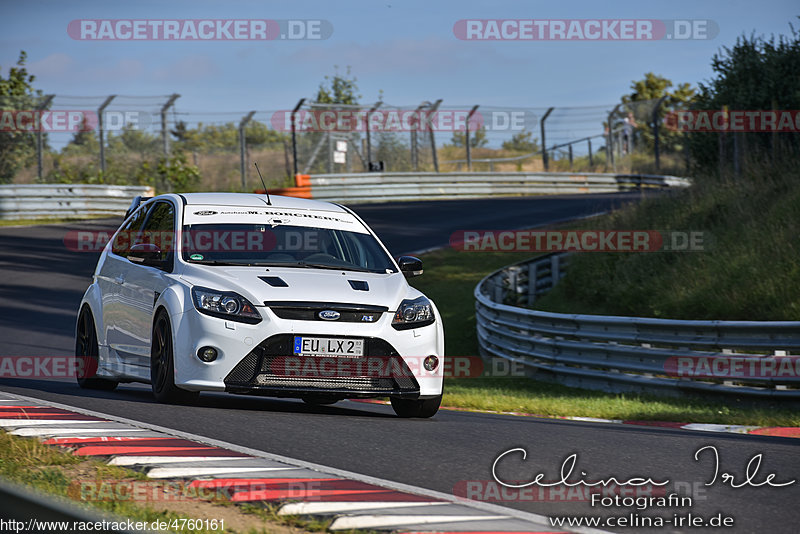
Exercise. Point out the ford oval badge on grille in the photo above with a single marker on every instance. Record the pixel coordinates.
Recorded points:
(329, 315)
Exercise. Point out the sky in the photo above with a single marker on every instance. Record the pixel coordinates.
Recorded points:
(406, 51)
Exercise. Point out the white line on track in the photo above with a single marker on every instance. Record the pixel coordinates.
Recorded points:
(302, 508)
(149, 460)
(376, 521)
(501, 511)
(186, 472)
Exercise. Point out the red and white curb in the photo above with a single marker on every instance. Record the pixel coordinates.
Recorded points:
(351, 500)
(780, 431)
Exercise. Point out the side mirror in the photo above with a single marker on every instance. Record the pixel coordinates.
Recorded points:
(146, 254)
(410, 266)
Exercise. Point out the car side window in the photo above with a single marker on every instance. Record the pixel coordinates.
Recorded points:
(129, 233)
(160, 230)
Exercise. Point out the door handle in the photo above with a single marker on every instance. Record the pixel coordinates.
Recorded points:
(120, 279)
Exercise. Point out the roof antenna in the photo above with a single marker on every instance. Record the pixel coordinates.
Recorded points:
(262, 183)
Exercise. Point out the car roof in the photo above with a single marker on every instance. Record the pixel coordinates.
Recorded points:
(258, 201)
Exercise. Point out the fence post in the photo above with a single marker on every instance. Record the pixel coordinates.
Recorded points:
(544, 142)
(164, 133)
(433, 139)
(369, 144)
(100, 132)
(414, 130)
(294, 135)
(570, 156)
(591, 158)
(610, 140)
(655, 130)
(469, 157)
(242, 149)
(39, 139)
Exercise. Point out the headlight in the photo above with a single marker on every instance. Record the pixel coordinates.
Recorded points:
(225, 305)
(413, 314)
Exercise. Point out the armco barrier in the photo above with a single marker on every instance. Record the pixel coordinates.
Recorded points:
(36, 201)
(408, 186)
(630, 353)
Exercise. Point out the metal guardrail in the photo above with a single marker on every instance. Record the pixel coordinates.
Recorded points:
(630, 353)
(405, 186)
(37, 201)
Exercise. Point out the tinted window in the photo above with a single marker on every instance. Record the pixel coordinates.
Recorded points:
(129, 232)
(159, 229)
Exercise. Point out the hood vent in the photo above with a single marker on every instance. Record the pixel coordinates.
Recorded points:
(274, 281)
(359, 285)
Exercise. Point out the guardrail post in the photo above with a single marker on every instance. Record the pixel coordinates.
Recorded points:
(544, 141)
(532, 271)
(555, 273)
(164, 133)
(39, 139)
(242, 150)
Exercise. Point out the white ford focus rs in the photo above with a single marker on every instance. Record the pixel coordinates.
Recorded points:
(250, 294)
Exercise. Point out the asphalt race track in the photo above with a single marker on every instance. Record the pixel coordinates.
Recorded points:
(41, 283)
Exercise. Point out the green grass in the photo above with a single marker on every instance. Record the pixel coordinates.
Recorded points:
(28, 462)
(749, 268)
(450, 278)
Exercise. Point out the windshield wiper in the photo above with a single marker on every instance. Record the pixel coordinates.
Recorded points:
(302, 264)
(212, 262)
(334, 267)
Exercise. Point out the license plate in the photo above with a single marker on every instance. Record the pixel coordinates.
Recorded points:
(328, 346)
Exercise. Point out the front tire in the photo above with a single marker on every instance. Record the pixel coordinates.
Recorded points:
(87, 354)
(162, 365)
(423, 408)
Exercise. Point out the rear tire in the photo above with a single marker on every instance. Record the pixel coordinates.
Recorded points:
(162, 365)
(422, 408)
(87, 354)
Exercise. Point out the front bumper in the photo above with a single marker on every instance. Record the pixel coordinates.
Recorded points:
(258, 359)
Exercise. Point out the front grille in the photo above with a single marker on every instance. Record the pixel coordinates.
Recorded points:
(309, 311)
(271, 367)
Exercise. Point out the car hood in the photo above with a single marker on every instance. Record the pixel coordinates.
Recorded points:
(260, 284)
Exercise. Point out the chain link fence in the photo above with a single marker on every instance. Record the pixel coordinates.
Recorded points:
(120, 139)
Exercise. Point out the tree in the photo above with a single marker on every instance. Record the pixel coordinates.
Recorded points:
(477, 138)
(757, 73)
(339, 89)
(17, 148)
(134, 140)
(640, 104)
(522, 142)
(83, 142)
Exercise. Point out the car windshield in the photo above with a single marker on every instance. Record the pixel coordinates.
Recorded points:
(283, 245)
